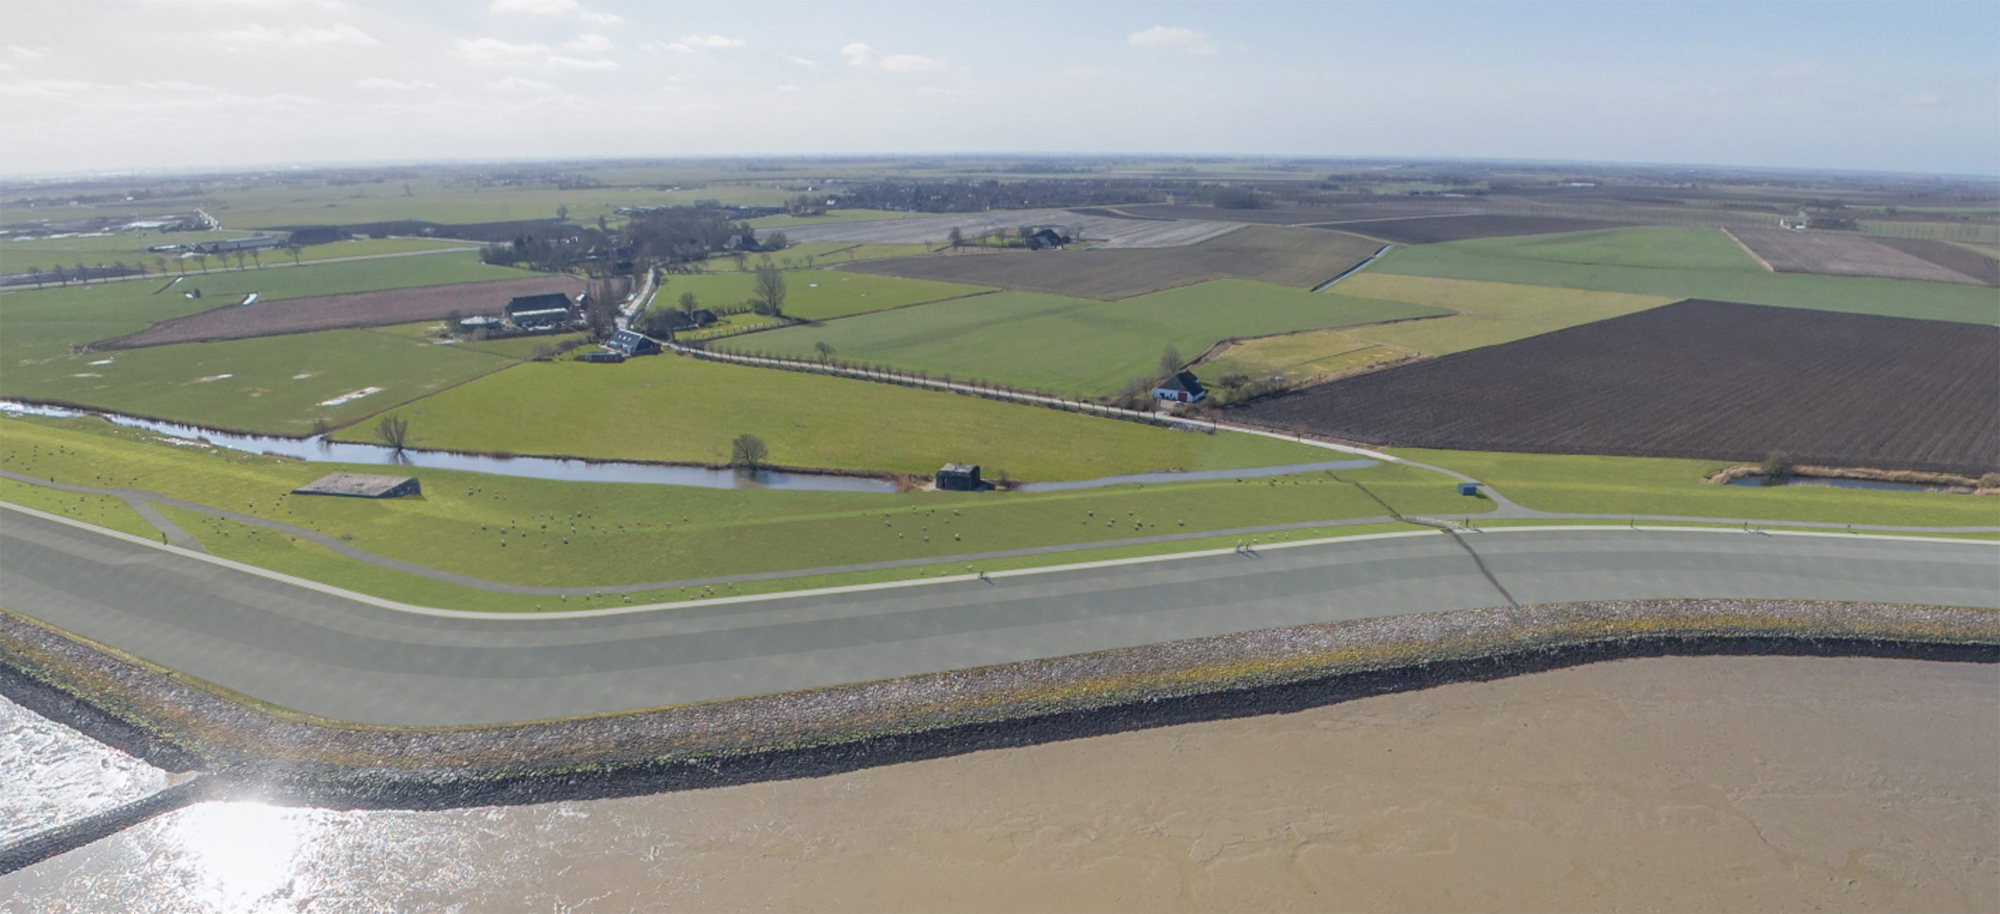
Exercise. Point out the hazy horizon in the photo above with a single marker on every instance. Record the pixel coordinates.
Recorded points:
(140, 87)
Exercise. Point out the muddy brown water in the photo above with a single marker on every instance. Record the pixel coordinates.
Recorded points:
(1719, 783)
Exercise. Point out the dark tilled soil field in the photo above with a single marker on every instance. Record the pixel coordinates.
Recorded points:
(1950, 256)
(1285, 256)
(332, 312)
(1836, 254)
(1437, 229)
(1699, 379)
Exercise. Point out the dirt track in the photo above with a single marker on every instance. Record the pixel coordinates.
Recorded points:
(331, 312)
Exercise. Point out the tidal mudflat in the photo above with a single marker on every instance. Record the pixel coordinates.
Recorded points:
(1687, 783)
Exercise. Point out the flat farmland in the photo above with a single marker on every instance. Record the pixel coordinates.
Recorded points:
(1298, 357)
(1112, 231)
(1682, 263)
(684, 409)
(273, 385)
(815, 294)
(1073, 345)
(1838, 254)
(1697, 379)
(1959, 258)
(1436, 229)
(331, 312)
(1483, 313)
(1283, 256)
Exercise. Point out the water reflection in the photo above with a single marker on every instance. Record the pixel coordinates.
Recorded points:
(323, 450)
(51, 775)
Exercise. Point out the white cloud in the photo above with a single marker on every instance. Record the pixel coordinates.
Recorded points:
(1180, 39)
(377, 82)
(493, 52)
(1923, 100)
(600, 18)
(861, 55)
(698, 42)
(516, 83)
(803, 61)
(28, 52)
(588, 44)
(787, 87)
(1083, 71)
(339, 33)
(575, 63)
(535, 7)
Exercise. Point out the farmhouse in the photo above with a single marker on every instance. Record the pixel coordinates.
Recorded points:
(361, 485)
(629, 343)
(959, 477)
(1181, 388)
(536, 312)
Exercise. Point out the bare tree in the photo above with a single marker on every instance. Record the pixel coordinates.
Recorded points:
(1170, 361)
(295, 249)
(955, 239)
(769, 296)
(393, 431)
(825, 351)
(748, 452)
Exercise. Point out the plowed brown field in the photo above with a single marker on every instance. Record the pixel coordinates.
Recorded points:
(1699, 379)
(1837, 254)
(332, 312)
(1952, 257)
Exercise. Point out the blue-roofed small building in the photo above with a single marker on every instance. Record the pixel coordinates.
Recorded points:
(1181, 388)
(629, 343)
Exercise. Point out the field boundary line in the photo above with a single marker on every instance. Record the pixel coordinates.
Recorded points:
(1747, 250)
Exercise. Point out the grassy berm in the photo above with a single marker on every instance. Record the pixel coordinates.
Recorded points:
(589, 534)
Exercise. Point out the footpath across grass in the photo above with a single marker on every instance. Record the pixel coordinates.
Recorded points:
(545, 533)
(680, 409)
(1680, 263)
(1073, 345)
(1645, 485)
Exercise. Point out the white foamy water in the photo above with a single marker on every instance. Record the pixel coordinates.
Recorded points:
(54, 775)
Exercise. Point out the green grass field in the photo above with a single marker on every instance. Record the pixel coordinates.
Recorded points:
(1487, 313)
(815, 294)
(272, 385)
(130, 248)
(1656, 247)
(1073, 345)
(1297, 357)
(1657, 251)
(42, 326)
(631, 533)
(1647, 485)
(674, 408)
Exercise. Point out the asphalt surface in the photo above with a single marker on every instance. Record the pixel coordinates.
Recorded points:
(334, 657)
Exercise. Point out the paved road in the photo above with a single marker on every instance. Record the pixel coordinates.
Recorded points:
(334, 657)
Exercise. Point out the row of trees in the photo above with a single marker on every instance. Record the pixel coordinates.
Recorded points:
(245, 259)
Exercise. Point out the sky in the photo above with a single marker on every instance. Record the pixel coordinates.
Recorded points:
(212, 84)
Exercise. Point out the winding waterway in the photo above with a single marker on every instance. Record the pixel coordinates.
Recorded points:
(1716, 783)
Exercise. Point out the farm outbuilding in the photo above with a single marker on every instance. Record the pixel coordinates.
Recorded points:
(602, 358)
(630, 343)
(959, 477)
(549, 309)
(1181, 388)
(361, 485)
